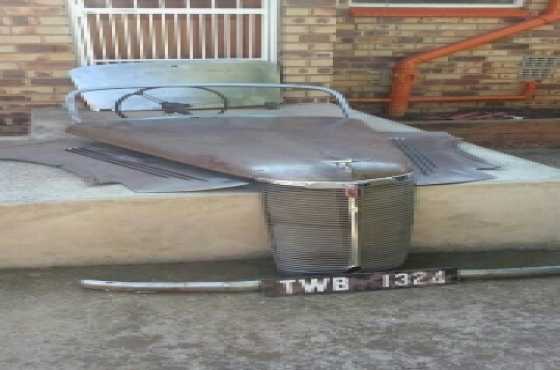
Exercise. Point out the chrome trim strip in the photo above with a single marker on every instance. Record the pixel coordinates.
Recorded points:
(334, 184)
(256, 285)
(514, 272)
(70, 100)
(353, 210)
(148, 287)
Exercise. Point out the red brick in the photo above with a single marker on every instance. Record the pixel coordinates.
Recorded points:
(50, 81)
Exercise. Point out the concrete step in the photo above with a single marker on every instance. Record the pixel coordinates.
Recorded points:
(51, 218)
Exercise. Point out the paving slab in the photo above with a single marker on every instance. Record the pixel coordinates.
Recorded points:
(49, 322)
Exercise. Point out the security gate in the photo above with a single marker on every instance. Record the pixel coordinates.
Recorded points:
(115, 31)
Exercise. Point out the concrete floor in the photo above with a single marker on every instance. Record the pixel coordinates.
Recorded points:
(49, 322)
(548, 156)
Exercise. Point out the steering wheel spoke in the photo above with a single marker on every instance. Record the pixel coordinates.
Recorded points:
(167, 106)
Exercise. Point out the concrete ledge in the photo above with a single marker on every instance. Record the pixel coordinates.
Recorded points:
(51, 218)
(189, 227)
(487, 216)
(217, 226)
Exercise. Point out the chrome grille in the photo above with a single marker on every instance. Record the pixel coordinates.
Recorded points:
(311, 229)
(385, 219)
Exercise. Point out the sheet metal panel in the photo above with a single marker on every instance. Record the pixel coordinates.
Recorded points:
(437, 158)
(171, 72)
(101, 164)
(267, 149)
(295, 148)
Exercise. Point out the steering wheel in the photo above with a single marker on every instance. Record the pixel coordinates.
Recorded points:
(170, 107)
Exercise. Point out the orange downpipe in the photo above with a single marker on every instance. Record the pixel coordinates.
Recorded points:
(404, 72)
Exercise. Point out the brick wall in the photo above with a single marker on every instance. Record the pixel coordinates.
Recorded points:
(319, 44)
(307, 41)
(367, 48)
(35, 55)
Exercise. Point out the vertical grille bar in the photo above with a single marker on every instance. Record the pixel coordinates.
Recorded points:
(353, 210)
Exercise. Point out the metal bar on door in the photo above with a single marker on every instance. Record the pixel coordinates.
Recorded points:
(251, 36)
(215, 36)
(177, 33)
(270, 30)
(139, 31)
(100, 27)
(266, 21)
(202, 34)
(190, 30)
(164, 35)
(152, 35)
(79, 38)
(90, 55)
(171, 11)
(239, 32)
(150, 60)
(127, 37)
(114, 36)
(227, 35)
(214, 27)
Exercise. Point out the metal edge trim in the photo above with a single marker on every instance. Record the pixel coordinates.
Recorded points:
(334, 184)
(217, 286)
(70, 100)
(353, 210)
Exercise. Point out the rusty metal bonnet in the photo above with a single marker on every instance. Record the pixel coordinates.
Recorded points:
(337, 196)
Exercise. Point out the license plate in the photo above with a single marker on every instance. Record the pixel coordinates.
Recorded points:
(347, 283)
